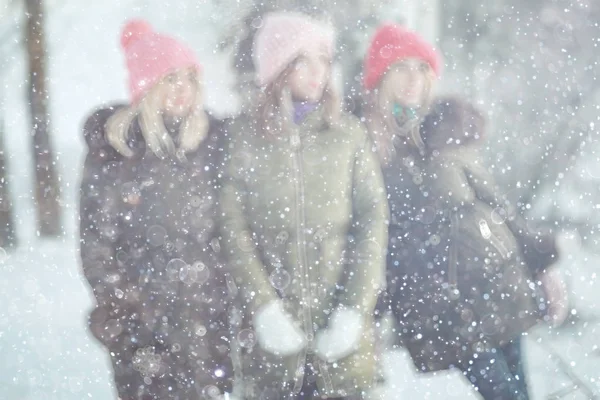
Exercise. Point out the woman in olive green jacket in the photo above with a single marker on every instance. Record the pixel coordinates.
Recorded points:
(303, 224)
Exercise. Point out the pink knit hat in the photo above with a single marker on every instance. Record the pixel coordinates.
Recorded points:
(151, 56)
(393, 43)
(282, 38)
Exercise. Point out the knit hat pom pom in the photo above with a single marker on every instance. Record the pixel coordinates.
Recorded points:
(133, 31)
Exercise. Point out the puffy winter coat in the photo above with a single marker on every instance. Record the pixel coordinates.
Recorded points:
(460, 263)
(304, 220)
(150, 253)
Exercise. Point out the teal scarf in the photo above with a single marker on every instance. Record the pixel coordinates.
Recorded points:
(404, 113)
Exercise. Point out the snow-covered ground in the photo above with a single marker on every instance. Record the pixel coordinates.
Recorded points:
(45, 351)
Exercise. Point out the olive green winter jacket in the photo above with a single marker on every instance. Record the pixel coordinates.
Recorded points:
(304, 219)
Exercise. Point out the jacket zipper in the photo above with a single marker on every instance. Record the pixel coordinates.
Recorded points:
(453, 257)
(297, 159)
(487, 234)
(296, 144)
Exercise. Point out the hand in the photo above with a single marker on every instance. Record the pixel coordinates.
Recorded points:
(556, 294)
(276, 331)
(116, 134)
(342, 337)
(191, 141)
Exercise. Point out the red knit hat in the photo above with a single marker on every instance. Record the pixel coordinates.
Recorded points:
(151, 56)
(391, 44)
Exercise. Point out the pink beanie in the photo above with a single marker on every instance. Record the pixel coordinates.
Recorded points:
(393, 43)
(282, 38)
(151, 56)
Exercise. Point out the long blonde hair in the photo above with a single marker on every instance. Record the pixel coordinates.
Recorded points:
(384, 127)
(193, 130)
(274, 105)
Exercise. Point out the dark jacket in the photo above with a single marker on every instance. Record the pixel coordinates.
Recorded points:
(460, 262)
(151, 256)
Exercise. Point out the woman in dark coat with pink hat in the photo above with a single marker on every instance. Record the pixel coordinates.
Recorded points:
(148, 245)
(463, 270)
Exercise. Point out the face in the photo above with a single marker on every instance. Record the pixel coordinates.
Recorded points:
(309, 76)
(409, 82)
(178, 92)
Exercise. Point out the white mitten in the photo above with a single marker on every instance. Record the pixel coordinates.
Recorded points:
(342, 336)
(556, 293)
(276, 331)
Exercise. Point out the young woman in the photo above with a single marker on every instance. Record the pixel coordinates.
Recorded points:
(148, 217)
(462, 267)
(303, 223)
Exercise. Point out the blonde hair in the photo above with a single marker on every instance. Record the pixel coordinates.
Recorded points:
(383, 125)
(274, 105)
(156, 136)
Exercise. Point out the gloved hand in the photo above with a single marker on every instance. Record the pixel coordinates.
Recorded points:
(276, 331)
(342, 337)
(556, 294)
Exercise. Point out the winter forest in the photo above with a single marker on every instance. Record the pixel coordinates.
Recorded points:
(256, 242)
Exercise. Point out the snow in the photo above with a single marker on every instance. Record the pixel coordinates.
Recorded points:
(47, 353)
(46, 350)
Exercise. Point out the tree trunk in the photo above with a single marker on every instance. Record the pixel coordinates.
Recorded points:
(47, 185)
(8, 238)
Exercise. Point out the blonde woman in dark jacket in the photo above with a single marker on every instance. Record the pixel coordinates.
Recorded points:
(149, 247)
(463, 271)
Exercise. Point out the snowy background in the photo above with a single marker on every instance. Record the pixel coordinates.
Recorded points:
(45, 350)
